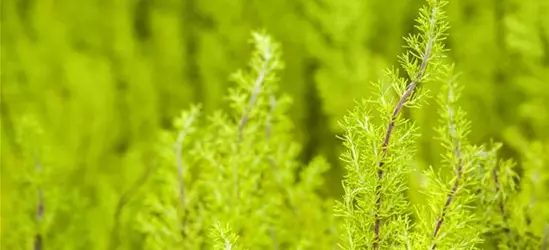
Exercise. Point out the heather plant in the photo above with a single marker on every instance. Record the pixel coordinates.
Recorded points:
(235, 175)
(234, 178)
(375, 209)
(378, 152)
(514, 213)
(448, 220)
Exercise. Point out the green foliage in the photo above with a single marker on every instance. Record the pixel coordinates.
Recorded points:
(377, 165)
(223, 236)
(448, 220)
(92, 157)
(238, 168)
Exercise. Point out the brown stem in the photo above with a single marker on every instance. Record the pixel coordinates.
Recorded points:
(459, 170)
(451, 195)
(390, 127)
(501, 205)
(545, 238)
(497, 184)
(39, 209)
(122, 203)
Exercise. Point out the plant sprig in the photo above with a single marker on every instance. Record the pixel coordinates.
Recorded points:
(366, 140)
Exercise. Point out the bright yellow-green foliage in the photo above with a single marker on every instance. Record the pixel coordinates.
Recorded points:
(141, 124)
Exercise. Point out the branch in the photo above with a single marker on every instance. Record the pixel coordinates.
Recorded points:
(245, 116)
(497, 183)
(501, 206)
(459, 171)
(401, 103)
(124, 198)
(179, 156)
(268, 127)
(39, 209)
(255, 94)
(545, 238)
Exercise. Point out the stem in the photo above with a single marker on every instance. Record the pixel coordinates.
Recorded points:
(501, 205)
(124, 198)
(268, 132)
(39, 209)
(228, 245)
(496, 182)
(269, 125)
(272, 235)
(179, 157)
(245, 116)
(255, 94)
(398, 108)
(545, 238)
(459, 170)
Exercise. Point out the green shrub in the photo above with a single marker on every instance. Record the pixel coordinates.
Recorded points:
(233, 178)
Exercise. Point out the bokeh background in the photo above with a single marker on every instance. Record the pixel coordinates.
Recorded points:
(101, 77)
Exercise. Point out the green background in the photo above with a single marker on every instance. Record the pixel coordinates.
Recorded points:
(102, 77)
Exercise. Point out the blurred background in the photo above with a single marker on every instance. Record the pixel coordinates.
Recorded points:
(99, 78)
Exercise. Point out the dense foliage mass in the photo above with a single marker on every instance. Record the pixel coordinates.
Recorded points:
(324, 140)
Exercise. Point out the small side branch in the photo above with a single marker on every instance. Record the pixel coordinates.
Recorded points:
(179, 156)
(253, 98)
(268, 132)
(258, 83)
(124, 199)
(498, 188)
(545, 238)
(454, 137)
(269, 125)
(396, 112)
(451, 196)
(501, 205)
(39, 209)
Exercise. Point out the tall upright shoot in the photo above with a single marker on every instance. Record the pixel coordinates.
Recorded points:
(378, 151)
